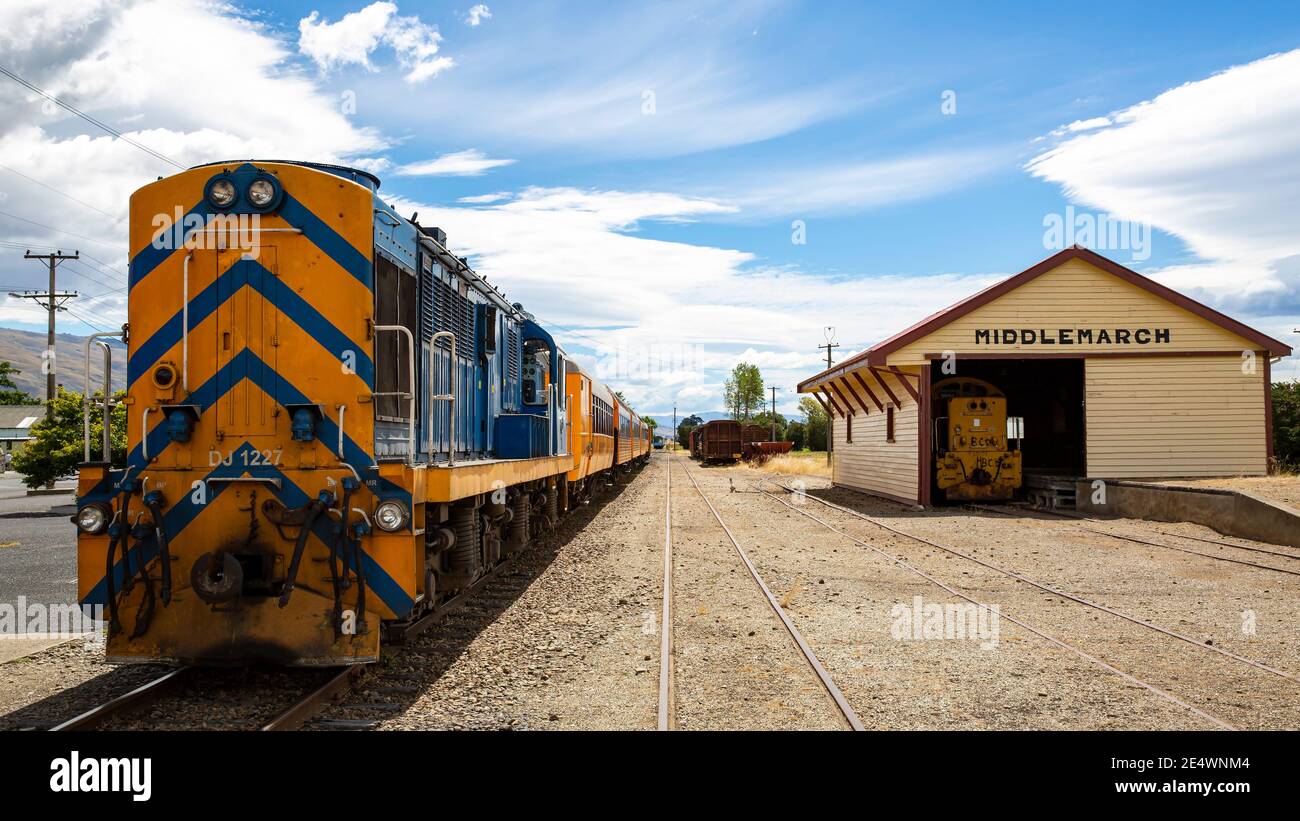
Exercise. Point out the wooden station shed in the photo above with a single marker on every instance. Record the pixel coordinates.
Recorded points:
(1105, 373)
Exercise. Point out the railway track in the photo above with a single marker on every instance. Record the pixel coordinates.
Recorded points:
(1209, 648)
(1065, 645)
(666, 719)
(316, 696)
(1079, 519)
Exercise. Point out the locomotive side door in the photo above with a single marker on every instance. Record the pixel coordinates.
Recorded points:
(246, 343)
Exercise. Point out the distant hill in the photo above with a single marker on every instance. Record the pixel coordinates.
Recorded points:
(23, 350)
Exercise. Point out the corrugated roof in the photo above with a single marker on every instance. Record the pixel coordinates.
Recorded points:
(20, 416)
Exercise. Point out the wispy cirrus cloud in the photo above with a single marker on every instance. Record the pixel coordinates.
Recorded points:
(477, 14)
(468, 163)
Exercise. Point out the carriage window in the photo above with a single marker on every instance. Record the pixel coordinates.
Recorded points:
(602, 417)
(396, 303)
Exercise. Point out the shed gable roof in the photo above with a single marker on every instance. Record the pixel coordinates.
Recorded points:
(878, 354)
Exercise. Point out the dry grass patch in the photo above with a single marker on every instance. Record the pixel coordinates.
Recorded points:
(811, 463)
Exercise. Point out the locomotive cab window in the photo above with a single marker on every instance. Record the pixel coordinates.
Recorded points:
(396, 303)
(534, 374)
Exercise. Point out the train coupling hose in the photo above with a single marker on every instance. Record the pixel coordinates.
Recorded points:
(314, 509)
(360, 530)
(139, 535)
(154, 501)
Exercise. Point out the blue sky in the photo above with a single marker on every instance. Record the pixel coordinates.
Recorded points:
(635, 173)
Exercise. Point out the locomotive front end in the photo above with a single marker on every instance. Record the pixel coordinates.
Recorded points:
(249, 523)
(974, 461)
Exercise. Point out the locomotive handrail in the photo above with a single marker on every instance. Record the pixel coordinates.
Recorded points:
(107, 403)
(185, 324)
(410, 381)
(443, 397)
(144, 433)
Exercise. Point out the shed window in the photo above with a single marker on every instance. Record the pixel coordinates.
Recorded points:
(889, 423)
(848, 428)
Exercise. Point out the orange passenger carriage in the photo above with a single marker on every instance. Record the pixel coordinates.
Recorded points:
(334, 424)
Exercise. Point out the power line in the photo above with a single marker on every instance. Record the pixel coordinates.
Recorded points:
(54, 299)
(24, 246)
(83, 115)
(60, 193)
(55, 230)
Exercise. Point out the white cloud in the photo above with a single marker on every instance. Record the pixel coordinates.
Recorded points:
(1212, 162)
(468, 163)
(671, 318)
(845, 186)
(552, 82)
(477, 14)
(352, 40)
(1082, 125)
(481, 199)
(117, 62)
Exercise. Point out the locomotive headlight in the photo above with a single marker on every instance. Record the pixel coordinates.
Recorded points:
(261, 193)
(264, 192)
(390, 516)
(92, 519)
(221, 192)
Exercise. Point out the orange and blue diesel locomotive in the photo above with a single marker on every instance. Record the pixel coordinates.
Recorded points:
(334, 424)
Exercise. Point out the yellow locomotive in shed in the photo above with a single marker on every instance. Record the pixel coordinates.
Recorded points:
(973, 457)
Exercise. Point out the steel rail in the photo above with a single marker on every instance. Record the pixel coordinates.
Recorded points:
(1049, 588)
(1081, 518)
(346, 679)
(1213, 719)
(139, 697)
(827, 682)
(666, 690)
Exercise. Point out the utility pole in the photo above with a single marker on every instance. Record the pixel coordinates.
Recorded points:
(830, 417)
(773, 414)
(676, 444)
(52, 301)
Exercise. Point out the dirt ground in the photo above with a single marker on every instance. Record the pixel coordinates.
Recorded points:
(1283, 489)
(568, 637)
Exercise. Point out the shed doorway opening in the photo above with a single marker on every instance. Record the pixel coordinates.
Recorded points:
(1046, 394)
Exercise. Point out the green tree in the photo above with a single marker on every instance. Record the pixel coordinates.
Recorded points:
(685, 427)
(1286, 424)
(743, 391)
(652, 424)
(765, 419)
(9, 393)
(815, 416)
(797, 433)
(56, 447)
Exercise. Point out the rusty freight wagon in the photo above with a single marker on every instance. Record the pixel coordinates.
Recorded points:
(719, 441)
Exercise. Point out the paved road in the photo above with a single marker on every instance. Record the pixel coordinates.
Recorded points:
(38, 545)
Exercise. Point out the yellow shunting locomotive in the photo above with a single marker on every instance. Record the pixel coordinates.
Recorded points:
(973, 457)
(334, 424)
